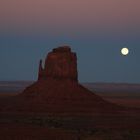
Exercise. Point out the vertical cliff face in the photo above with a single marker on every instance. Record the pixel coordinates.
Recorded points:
(61, 64)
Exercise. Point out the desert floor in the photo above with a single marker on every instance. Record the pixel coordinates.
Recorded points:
(43, 126)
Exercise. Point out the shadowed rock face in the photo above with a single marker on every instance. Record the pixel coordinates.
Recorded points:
(61, 63)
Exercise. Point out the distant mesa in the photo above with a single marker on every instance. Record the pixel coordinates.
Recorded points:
(57, 89)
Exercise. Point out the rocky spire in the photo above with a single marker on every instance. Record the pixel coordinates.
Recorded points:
(40, 71)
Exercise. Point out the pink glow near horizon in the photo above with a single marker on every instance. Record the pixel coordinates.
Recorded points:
(57, 15)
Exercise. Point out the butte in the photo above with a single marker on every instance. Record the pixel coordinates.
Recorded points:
(57, 89)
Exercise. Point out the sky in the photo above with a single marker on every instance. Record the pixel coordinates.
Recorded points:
(95, 29)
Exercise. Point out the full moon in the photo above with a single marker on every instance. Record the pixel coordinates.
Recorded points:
(125, 51)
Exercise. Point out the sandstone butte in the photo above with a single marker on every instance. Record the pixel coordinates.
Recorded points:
(57, 89)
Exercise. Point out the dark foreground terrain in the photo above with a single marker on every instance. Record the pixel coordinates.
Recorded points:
(18, 126)
(44, 126)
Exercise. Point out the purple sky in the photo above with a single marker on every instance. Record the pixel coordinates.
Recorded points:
(61, 16)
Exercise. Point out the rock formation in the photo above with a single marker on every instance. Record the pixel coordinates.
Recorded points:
(61, 63)
(57, 89)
